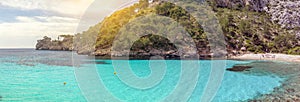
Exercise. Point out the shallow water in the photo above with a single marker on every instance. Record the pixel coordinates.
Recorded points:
(28, 75)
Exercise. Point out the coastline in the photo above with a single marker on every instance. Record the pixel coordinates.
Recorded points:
(267, 57)
(248, 56)
(290, 89)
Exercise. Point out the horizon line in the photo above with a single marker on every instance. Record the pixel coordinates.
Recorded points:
(17, 48)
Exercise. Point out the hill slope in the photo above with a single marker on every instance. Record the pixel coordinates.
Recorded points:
(247, 27)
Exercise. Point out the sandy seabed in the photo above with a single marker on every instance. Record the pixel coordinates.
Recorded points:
(282, 65)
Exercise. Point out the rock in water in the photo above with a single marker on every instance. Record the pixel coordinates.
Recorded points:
(239, 68)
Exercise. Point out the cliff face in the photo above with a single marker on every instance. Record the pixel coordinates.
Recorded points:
(254, 5)
(284, 12)
(64, 45)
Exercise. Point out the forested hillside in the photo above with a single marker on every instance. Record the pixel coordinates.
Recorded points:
(247, 27)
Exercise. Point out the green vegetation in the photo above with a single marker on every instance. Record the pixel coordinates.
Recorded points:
(255, 31)
(111, 26)
(295, 51)
(241, 27)
(149, 42)
(85, 42)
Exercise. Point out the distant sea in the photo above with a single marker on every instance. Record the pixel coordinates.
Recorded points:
(29, 75)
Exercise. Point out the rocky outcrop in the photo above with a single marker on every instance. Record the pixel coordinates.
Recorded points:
(255, 5)
(258, 5)
(43, 44)
(286, 13)
(62, 45)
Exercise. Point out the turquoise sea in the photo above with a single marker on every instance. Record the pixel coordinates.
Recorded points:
(37, 76)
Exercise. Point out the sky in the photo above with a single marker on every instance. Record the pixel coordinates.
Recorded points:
(23, 22)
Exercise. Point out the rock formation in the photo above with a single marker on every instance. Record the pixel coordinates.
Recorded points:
(255, 5)
(66, 44)
(43, 44)
(286, 13)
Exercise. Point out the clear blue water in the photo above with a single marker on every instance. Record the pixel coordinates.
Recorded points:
(29, 75)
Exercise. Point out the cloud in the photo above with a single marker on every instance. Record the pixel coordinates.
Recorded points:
(68, 7)
(20, 28)
(25, 21)
(33, 28)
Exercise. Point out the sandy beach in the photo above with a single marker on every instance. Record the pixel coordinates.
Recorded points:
(268, 56)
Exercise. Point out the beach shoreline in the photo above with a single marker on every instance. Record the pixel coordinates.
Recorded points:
(267, 57)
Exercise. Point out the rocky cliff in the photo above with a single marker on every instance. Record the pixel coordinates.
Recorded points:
(254, 5)
(284, 12)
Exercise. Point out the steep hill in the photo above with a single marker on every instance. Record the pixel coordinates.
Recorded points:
(248, 26)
